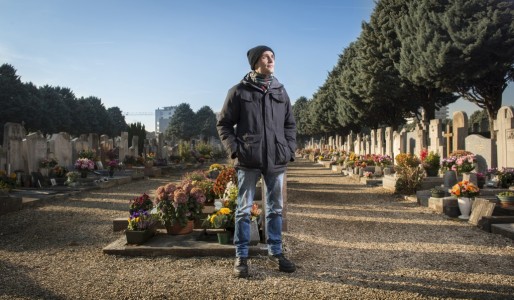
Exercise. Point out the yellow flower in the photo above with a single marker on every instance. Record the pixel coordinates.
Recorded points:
(224, 211)
(213, 217)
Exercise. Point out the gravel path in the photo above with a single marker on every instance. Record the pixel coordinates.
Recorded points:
(348, 240)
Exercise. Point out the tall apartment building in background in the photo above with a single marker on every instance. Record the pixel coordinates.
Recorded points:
(163, 117)
(442, 113)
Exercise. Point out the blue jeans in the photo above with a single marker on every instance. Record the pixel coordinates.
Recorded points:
(247, 179)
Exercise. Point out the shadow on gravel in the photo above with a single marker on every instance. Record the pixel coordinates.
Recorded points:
(16, 283)
(401, 271)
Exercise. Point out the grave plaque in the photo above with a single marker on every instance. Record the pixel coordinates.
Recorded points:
(481, 208)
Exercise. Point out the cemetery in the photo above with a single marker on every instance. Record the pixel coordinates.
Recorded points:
(439, 159)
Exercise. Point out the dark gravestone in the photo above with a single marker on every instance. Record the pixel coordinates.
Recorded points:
(38, 180)
(449, 179)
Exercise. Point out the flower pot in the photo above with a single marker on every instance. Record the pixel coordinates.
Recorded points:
(138, 237)
(223, 237)
(506, 201)
(177, 229)
(83, 173)
(464, 207)
(431, 172)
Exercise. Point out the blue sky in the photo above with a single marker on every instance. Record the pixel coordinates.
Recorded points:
(144, 55)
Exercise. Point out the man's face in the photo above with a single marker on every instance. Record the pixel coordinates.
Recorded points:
(266, 63)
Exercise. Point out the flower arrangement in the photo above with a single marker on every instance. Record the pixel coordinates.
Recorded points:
(368, 174)
(84, 164)
(150, 156)
(89, 154)
(465, 163)
(143, 202)
(113, 164)
(48, 163)
(71, 177)
(59, 171)
(255, 212)
(226, 175)
(141, 220)
(179, 203)
(383, 160)
(199, 179)
(465, 189)
(7, 181)
(223, 218)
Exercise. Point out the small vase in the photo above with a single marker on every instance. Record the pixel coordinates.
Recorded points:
(138, 237)
(223, 237)
(83, 173)
(177, 229)
(464, 207)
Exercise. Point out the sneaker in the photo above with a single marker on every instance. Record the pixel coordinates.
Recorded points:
(241, 267)
(284, 264)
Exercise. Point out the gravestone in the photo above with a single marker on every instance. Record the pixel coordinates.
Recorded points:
(123, 145)
(373, 141)
(3, 158)
(36, 149)
(483, 148)
(448, 135)
(411, 142)
(351, 146)
(14, 134)
(436, 137)
(449, 179)
(420, 139)
(94, 142)
(59, 147)
(78, 145)
(380, 142)
(460, 130)
(388, 133)
(366, 145)
(396, 144)
(134, 149)
(358, 145)
(504, 126)
(471, 177)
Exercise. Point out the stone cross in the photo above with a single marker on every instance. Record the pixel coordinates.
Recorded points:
(448, 135)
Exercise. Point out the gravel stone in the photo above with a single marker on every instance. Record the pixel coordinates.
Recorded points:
(349, 241)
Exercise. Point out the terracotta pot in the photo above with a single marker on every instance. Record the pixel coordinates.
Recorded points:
(177, 229)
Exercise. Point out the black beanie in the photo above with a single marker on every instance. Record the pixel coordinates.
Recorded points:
(255, 53)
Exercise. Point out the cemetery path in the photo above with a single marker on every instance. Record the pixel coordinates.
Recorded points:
(349, 241)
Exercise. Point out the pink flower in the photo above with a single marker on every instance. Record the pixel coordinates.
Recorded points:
(180, 196)
(170, 188)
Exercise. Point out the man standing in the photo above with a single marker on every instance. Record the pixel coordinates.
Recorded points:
(257, 127)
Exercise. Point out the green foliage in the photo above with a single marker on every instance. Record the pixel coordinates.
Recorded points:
(205, 120)
(137, 129)
(182, 125)
(52, 109)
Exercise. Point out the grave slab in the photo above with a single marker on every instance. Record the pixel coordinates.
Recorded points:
(195, 244)
(486, 222)
(507, 230)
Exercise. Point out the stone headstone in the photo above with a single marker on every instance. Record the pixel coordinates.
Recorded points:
(460, 130)
(484, 149)
(160, 146)
(449, 179)
(36, 149)
(373, 137)
(78, 145)
(411, 142)
(351, 146)
(388, 135)
(436, 137)
(358, 145)
(14, 134)
(59, 147)
(380, 142)
(420, 139)
(123, 145)
(504, 126)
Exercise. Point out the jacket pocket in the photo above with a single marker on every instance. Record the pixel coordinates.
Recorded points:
(282, 153)
(250, 150)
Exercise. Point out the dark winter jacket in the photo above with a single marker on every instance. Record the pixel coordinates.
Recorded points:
(258, 128)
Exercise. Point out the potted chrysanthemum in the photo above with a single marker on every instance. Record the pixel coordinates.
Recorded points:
(179, 205)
